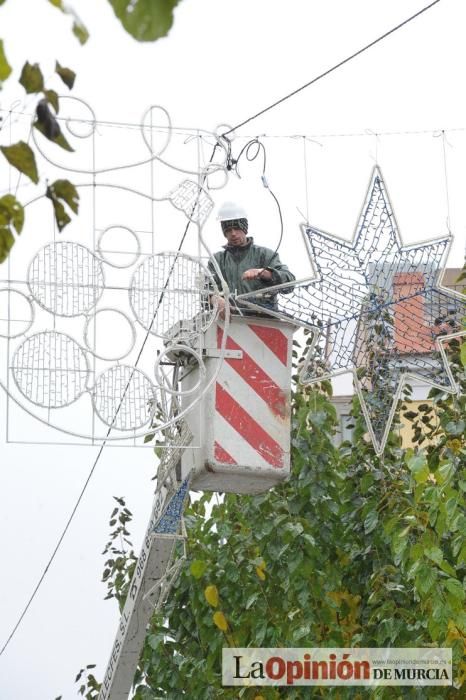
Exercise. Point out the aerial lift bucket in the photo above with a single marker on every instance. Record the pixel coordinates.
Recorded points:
(241, 425)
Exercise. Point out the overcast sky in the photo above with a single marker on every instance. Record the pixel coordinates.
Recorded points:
(223, 61)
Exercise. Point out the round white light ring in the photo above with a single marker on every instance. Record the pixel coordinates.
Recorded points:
(170, 295)
(183, 350)
(20, 302)
(92, 318)
(124, 398)
(211, 171)
(225, 129)
(133, 254)
(82, 132)
(66, 278)
(50, 369)
(157, 127)
(193, 200)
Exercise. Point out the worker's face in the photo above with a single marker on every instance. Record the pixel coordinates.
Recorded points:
(235, 237)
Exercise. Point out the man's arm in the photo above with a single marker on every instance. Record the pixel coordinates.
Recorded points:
(279, 271)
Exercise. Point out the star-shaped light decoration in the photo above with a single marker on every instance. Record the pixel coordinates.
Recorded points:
(376, 308)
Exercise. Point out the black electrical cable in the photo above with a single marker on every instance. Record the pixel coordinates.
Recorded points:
(234, 165)
(104, 443)
(334, 68)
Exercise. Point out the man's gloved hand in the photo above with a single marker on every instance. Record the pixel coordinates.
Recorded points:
(257, 273)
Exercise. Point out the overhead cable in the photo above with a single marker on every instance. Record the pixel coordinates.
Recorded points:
(332, 69)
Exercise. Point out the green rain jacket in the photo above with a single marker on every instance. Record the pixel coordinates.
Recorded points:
(233, 261)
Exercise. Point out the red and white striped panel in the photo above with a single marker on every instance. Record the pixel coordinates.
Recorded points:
(252, 397)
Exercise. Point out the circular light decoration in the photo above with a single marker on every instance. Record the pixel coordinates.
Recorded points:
(109, 334)
(50, 369)
(175, 352)
(192, 200)
(119, 246)
(173, 295)
(124, 398)
(16, 313)
(66, 279)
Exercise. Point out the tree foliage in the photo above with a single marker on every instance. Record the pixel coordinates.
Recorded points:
(354, 550)
(145, 20)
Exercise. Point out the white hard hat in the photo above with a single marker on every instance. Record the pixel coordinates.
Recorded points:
(230, 211)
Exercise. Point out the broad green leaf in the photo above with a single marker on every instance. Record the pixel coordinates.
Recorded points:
(145, 20)
(5, 68)
(52, 97)
(447, 568)
(66, 74)
(198, 568)
(11, 211)
(7, 241)
(434, 553)
(31, 78)
(79, 29)
(463, 354)
(301, 632)
(21, 156)
(66, 191)
(419, 468)
(57, 138)
(425, 579)
(455, 588)
(445, 472)
(211, 595)
(220, 620)
(370, 521)
(455, 427)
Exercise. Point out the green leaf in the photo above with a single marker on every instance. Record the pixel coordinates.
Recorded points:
(48, 129)
(66, 191)
(5, 68)
(79, 29)
(145, 20)
(11, 214)
(21, 156)
(419, 468)
(52, 97)
(434, 553)
(66, 74)
(31, 78)
(7, 241)
(11, 211)
(198, 568)
(370, 521)
(463, 354)
(455, 427)
(447, 568)
(455, 588)
(425, 578)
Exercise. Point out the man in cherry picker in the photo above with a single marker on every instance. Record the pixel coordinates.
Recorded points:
(245, 266)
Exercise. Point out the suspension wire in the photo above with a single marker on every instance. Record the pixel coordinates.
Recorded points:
(192, 132)
(333, 68)
(447, 189)
(306, 178)
(99, 454)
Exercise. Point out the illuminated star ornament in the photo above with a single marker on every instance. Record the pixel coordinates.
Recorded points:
(376, 308)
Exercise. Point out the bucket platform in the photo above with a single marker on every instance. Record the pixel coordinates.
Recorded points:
(241, 426)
